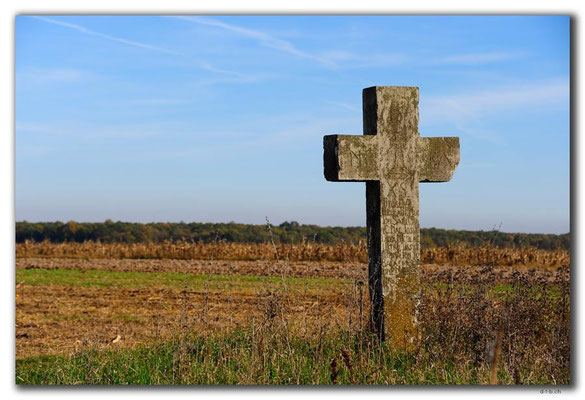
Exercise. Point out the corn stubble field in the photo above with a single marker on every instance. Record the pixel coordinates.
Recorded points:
(235, 313)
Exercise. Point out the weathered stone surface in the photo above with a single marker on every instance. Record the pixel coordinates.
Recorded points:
(351, 158)
(392, 158)
(437, 158)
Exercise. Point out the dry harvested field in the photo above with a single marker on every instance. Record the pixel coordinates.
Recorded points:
(64, 302)
(70, 298)
(306, 251)
(61, 305)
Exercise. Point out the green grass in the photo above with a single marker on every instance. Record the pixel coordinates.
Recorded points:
(499, 291)
(245, 357)
(100, 278)
(129, 279)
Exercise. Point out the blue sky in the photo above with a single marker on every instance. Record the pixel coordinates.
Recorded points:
(221, 118)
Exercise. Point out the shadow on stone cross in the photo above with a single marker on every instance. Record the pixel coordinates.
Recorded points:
(392, 159)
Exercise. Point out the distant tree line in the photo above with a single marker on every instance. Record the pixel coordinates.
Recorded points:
(287, 232)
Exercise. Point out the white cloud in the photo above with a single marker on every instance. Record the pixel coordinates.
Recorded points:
(79, 130)
(346, 106)
(24, 151)
(478, 58)
(153, 102)
(466, 111)
(380, 60)
(237, 78)
(70, 75)
(211, 68)
(468, 106)
(264, 38)
(42, 76)
(86, 31)
(32, 127)
(331, 58)
(349, 60)
(301, 132)
(338, 55)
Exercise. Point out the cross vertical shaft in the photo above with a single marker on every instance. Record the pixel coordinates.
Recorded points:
(392, 210)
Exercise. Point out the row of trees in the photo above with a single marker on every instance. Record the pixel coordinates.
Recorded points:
(287, 232)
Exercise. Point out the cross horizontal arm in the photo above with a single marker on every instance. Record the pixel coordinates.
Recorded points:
(437, 158)
(351, 157)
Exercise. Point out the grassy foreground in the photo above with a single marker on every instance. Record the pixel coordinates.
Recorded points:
(264, 357)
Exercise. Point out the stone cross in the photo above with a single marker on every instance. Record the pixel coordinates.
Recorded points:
(392, 159)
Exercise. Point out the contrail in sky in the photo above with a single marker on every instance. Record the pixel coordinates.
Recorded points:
(83, 29)
(264, 38)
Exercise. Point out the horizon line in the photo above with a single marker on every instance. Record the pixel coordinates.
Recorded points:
(263, 224)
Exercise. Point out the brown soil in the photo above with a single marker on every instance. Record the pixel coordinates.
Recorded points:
(323, 269)
(59, 319)
(261, 268)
